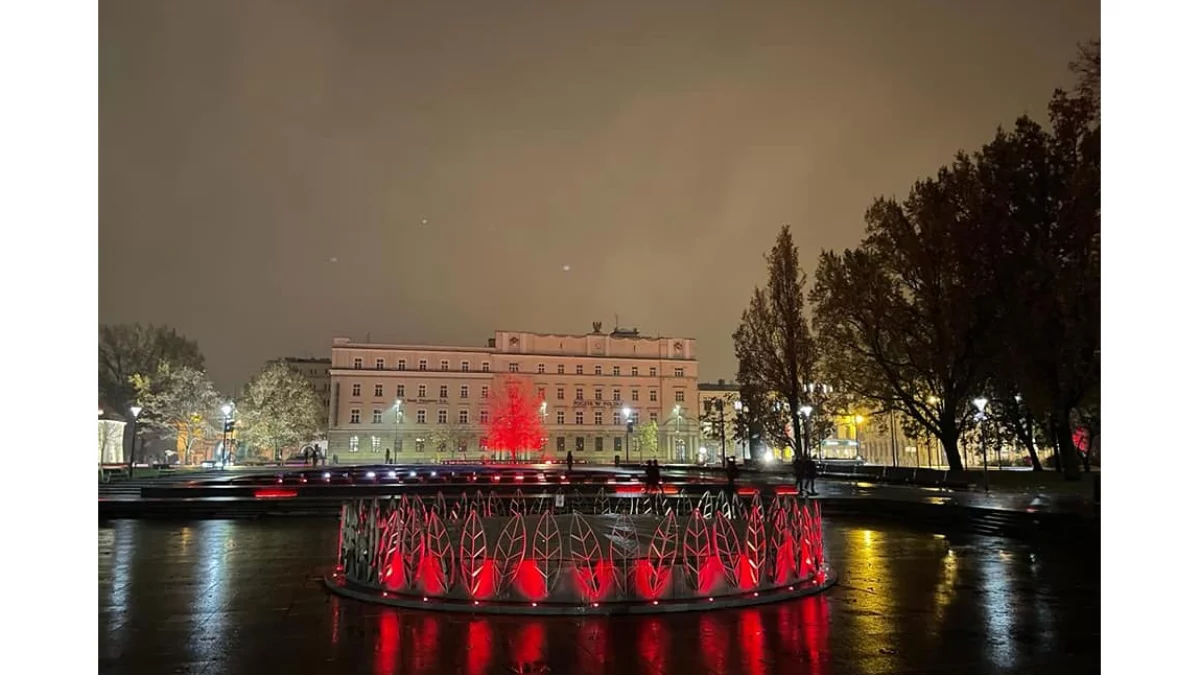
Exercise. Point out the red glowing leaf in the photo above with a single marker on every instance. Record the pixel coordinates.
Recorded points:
(592, 571)
(473, 558)
(510, 549)
(412, 543)
(655, 573)
(754, 551)
(547, 553)
(726, 545)
(697, 548)
(437, 573)
(782, 549)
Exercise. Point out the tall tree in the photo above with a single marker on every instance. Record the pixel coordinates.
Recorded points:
(135, 349)
(776, 351)
(279, 409)
(451, 437)
(902, 318)
(647, 438)
(515, 417)
(179, 402)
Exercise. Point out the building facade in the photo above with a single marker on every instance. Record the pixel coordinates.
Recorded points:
(426, 403)
(316, 371)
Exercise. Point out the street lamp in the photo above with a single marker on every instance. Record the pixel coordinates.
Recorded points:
(806, 410)
(737, 409)
(396, 433)
(981, 404)
(628, 430)
(226, 427)
(675, 438)
(135, 410)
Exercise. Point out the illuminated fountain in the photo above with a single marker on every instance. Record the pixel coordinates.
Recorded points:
(550, 555)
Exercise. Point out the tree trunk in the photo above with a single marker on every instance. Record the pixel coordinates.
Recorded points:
(1034, 460)
(1068, 456)
(948, 435)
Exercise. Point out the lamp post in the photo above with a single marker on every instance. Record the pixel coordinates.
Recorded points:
(628, 430)
(135, 411)
(806, 410)
(737, 409)
(226, 427)
(675, 439)
(981, 404)
(396, 431)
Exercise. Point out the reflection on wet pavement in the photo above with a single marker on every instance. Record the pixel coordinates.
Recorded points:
(246, 597)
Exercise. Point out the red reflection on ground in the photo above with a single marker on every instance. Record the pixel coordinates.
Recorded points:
(393, 573)
(750, 638)
(714, 644)
(814, 611)
(652, 644)
(425, 644)
(387, 648)
(593, 646)
(274, 493)
(747, 575)
(479, 647)
(785, 560)
(529, 645)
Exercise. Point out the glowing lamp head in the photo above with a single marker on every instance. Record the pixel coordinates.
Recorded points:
(858, 419)
(226, 409)
(806, 410)
(737, 405)
(135, 410)
(627, 412)
(980, 403)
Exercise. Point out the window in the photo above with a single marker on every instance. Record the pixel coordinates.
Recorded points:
(379, 391)
(514, 367)
(679, 396)
(483, 391)
(358, 364)
(598, 418)
(354, 419)
(654, 417)
(442, 417)
(599, 370)
(422, 364)
(402, 364)
(679, 372)
(598, 394)
(653, 371)
(374, 444)
(376, 417)
(465, 366)
(541, 368)
(356, 390)
(636, 418)
(653, 394)
(354, 444)
(399, 445)
(616, 418)
(378, 364)
(633, 371)
(421, 391)
(420, 445)
(579, 444)
(444, 391)
(634, 394)
(578, 393)
(483, 417)
(560, 369)
(399, 391)
(561, 394)
(617, 445)
(464, 391)
(616, 370)
(542, 393)
(616, 394)
(578, 417)
(599, 444)
(462, 416)
(560, 417)
(486, 366)
(578, 370)
(421, 416)
(560, 443)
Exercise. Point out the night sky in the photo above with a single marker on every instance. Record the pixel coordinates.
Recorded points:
(274, 174)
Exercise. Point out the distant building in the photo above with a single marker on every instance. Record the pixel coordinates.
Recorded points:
(410, 398)
(716, 401)
(111, 429)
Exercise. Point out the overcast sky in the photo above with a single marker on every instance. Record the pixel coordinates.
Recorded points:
(274, 174)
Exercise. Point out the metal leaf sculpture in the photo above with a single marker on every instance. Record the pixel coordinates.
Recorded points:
(705, 505)
(587, 557)
(493, 506)
(728, 549)
(754, 549)
(683, 502)
(547, 550)
(796, 525)
(782, 549)
(516, 506)
(438, 575)
(412, 543)
(741, 509)
(664, 545)
(510, 550)
(603, 506)
(725, 504)
(461, 507)
(623, 546)
(439, 506)
(472, 556)
(697, 546)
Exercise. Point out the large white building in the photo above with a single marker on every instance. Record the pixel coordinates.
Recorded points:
(420, 401)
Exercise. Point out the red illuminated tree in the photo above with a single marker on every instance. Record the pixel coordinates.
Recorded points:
(515, 417)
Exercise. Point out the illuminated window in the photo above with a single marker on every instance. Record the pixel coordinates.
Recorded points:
(560, 442)
(420, 445)
(354, 416)
(354, 444)
(376, 417)
(374, 444)
(579, 444)
(617, 444)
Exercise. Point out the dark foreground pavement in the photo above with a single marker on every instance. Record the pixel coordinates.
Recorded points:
(235, 597)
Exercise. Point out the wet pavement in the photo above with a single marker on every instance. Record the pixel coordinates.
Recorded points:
(246, 597)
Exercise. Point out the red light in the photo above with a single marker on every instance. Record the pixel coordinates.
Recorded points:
(786, 490)
(747, 491)
(628, 489)
(270, 493)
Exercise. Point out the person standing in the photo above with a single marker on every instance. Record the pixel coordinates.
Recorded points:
(570, 461)
(810, 474)
(798, 472)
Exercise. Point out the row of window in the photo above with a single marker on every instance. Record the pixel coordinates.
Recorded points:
(513, 367)
(560, 444)
(464, 417)
(464, 391)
